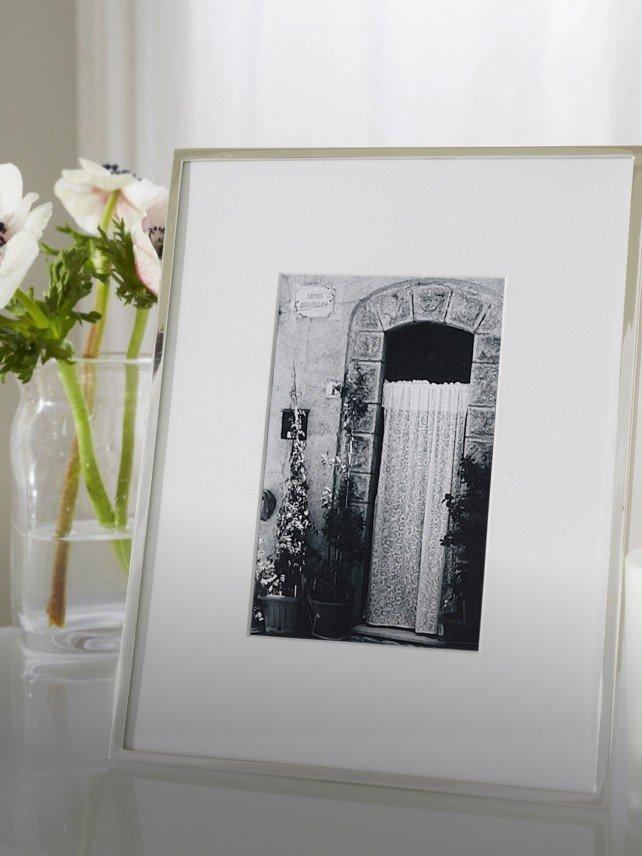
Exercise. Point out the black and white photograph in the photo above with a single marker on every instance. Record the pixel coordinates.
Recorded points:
(378, 459)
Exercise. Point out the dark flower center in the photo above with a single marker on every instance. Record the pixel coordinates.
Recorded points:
(157, 236)
(116, 170)
(3, 234)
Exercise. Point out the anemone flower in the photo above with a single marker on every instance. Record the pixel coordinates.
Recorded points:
(20, 230)
(84, 193)
(154, 222)
(148, 238)
(146, 260)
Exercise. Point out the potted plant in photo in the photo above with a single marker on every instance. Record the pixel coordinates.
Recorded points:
(278, 577)
(466, 544)
(266, 584)
(329, 583)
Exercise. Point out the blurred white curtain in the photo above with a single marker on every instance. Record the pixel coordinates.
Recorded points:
(356, 72)
(157, 74)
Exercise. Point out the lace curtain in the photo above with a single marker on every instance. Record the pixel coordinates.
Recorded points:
(422, 445)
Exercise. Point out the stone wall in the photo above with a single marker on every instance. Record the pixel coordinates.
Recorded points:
(322, 349)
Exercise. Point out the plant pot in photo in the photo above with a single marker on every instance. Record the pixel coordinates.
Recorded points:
(282, 615)
(329, 620)
(460, 632)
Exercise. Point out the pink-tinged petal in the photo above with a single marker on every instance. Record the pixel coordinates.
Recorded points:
(146, 260)
(10, 190)
(83, 202)
(16, 257)
(142, 194)
(131, 216)
(148, 271)
(156, 216)
(38, 219)
(22, 212)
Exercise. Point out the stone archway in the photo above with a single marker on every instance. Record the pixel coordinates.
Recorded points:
(474, 306)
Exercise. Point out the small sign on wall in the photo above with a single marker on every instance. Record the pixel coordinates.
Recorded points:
(314, 301)
(287, 423)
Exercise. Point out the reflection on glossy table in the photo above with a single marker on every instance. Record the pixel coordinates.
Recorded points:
(59, 797)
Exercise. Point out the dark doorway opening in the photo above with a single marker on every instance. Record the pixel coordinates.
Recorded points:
(426, 351)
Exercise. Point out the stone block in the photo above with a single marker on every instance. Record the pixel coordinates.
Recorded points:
(395, 308)
(366, 318)
(491, 323)
(369, 422)
(430, 302)
(480, 451)
(464, 311)
(481, 421)
(362, 459)
(486, 349)
(483, 384)
(373, 377)
(368, 346)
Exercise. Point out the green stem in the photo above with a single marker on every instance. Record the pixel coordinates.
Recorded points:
(101, 298)
(56, 606)
(38, 316)
(88, 464)
(108, 210)
(129, 429)
(138, 331)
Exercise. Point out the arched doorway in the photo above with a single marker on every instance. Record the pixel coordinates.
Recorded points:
(430, 330)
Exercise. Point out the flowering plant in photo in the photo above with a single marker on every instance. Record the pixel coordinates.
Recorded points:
(116, 247)
(330, 577)
(267, 579)
(293, 519)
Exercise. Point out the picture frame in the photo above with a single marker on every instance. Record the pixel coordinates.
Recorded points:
(370, 180)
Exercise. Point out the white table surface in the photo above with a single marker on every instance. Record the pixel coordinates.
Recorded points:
(59, 796)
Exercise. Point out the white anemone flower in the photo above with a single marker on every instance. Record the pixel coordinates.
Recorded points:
(84, 193)
(146, 260)
(20, 230)
(154, 222)
(148, 238)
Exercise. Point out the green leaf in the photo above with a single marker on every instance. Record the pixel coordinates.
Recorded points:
(36, 330)
(118, 249)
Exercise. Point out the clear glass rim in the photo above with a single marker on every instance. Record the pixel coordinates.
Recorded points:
(112, 358)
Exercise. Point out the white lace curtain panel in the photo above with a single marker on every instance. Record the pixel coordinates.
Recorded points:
(422, 444)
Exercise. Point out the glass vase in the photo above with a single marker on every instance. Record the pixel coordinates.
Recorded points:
(76, 427)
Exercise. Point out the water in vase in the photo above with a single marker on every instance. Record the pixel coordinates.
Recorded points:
(94, 590)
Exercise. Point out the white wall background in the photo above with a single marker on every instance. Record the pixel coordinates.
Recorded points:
(156, 74)
(38, 132)
(361, 72)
